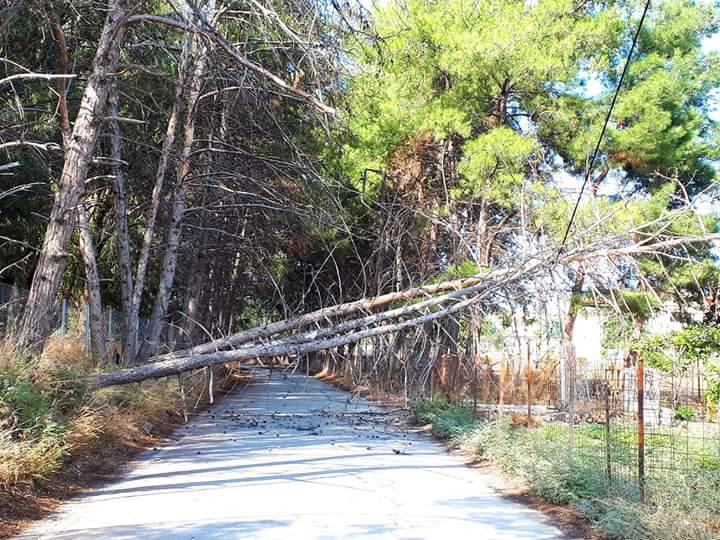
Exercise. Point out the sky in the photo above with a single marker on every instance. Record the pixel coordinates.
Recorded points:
(569, 185)
(712, 44)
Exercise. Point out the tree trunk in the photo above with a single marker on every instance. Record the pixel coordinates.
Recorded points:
(37, 318)
(574, 307)
(162, 298)
(568, 348)
(97, 326)
(195, 297)
(133, 314)
(481, 236)
(398, 266)
(193, 292)
(121, 215)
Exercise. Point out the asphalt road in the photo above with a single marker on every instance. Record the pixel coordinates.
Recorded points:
(292, 458)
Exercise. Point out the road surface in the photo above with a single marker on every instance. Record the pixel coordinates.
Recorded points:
(292, 458)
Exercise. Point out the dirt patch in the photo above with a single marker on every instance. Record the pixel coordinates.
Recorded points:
(96, 465)
(563, 517)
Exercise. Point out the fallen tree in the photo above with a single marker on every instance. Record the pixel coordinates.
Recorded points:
(341, 310)
(475, 289)
(279, 348)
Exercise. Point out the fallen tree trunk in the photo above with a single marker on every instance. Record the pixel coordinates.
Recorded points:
(280, 348)
(492, 281)
(340, 310)
(367, 304)
(332, 337)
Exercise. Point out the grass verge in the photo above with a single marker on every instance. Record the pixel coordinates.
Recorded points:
(57, 437)
(679, 505)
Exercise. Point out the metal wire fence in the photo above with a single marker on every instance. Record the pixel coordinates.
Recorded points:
(628, 422)
(643, 423)
(72, 321)
(631, 423)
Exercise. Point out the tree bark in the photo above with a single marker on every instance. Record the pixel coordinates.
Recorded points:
(162, 298)
(86, 243)
(133, 314)
(481, 236)
(87, 250)
(193, 292)
(37, 318)
(121, 212)
(59, 37)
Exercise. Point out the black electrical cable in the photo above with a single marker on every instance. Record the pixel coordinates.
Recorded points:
(607, 120)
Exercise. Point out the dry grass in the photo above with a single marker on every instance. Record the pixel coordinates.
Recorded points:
(48, 420)
(56, 438)
(66, 351)
(7, 352)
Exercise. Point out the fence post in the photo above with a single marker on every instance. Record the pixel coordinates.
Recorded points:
(63, 317)
(475, 384)
(563, 380)
(529, 385)
(571, 399)
(88, 344)
(640, 385)
(501, 391)
(607, 432)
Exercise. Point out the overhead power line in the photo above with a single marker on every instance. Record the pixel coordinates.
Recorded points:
(605, 125)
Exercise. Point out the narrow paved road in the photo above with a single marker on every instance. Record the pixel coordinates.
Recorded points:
(290, 458)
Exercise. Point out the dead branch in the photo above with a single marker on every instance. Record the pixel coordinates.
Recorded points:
(179, 365)
(43, 76)
(212, 35)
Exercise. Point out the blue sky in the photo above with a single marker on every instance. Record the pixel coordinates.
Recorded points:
(713, 44)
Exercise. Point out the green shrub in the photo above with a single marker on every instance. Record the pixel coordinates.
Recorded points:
(449, 420)
(34, 429)
(684, 413)
(30, 404)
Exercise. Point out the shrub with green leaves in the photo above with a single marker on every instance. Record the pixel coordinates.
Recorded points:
(449, 419)
(684, 413)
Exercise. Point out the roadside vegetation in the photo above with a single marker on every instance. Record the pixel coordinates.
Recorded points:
(51, 429)
(678, 505)
(255, 175)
